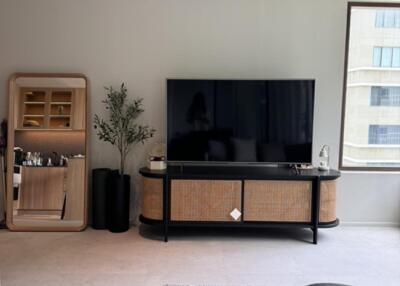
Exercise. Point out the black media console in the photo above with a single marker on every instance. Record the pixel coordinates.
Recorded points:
(239, 197)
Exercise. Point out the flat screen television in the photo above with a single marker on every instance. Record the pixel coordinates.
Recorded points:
(240, 121)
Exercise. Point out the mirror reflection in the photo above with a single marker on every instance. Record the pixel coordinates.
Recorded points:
(48, 128)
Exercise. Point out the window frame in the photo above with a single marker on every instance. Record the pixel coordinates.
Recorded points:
(351, 5)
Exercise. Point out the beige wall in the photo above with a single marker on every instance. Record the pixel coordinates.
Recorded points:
(144, 42)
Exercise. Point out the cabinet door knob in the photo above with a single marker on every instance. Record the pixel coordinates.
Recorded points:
(236, 214)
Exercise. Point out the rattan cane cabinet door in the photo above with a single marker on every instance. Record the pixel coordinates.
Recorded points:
(205, 200)
(277, 201)
(152, 198)
(327, 209)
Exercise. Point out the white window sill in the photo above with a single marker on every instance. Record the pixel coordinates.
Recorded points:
(370, 172)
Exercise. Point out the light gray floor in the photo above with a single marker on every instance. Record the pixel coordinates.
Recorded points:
(351, 255)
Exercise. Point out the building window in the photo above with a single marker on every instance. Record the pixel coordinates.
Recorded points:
(387, 19)
(386, 57)
(384, 134)
(396, 57)
(370, 132)
(385, 96)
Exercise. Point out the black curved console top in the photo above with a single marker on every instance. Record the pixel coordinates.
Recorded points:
(236, 172)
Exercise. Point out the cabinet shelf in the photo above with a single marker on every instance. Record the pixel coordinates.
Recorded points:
(35, 102)
(25, 129)
(51, 108)
(61, 103)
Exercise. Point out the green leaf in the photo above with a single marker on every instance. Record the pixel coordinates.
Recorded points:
(120, 127)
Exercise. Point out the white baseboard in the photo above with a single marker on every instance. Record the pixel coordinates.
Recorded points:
(358, 223)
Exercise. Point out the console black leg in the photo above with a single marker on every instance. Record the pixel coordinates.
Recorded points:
(166, 234)
(165, 207)
(315, 208)
(315, 235)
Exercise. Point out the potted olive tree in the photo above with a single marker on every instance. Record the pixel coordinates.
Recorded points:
(122, 131)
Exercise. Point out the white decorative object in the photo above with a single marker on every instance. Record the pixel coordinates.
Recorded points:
(17, 179)
(236, 214)
(157, 165)
(324, 158)
(157, 157)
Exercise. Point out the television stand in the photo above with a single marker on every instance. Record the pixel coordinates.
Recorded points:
(231, 196)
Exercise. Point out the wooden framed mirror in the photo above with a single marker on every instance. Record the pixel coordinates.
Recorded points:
(47, 154)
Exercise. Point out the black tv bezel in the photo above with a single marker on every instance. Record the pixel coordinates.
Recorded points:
(234, 163)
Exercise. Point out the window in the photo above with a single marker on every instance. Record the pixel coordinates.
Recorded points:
(370, 132)
(377, 56)
(386, 57)
(396, 58)
(384, 134)
(385, 96)
(379, 18)
(387, 19)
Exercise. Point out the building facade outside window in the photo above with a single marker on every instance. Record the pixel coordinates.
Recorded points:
(370, 137)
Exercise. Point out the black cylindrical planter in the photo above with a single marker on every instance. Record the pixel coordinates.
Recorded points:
(118, 192)
(99, 195)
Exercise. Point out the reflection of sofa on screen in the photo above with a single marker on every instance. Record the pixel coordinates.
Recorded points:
(201, 146)
(222, 146)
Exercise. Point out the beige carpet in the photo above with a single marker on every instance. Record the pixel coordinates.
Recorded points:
(348, 255)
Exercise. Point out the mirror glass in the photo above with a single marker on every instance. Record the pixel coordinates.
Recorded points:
(47, 161)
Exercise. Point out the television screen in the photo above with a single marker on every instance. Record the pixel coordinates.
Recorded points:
(243, 121)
